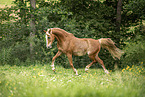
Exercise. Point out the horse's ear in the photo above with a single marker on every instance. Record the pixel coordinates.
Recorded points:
(44, 31)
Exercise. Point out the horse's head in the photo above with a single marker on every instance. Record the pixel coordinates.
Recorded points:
(49, 38)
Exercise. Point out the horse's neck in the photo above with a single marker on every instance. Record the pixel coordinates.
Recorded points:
(60, 35)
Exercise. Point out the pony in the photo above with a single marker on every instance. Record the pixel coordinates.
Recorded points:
(70, 45)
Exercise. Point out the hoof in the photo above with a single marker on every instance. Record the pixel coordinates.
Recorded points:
(86, 69)
(53, 69)
(76, 74)
(106, 71)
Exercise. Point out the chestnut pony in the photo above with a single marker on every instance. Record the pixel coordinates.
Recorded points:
(70, 45)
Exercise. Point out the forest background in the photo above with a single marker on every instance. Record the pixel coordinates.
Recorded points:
(22, 39)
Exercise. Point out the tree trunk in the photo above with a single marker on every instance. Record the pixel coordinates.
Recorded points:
(118, 23)
(118, 17)
(22, 11)
(33, 29)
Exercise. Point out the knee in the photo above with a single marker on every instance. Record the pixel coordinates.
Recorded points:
(53, 59)
(71, 66)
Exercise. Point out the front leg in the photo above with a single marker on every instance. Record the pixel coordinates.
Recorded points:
(71, 63)
(53, 59)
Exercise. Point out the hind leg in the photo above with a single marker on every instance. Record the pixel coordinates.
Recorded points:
(101, 62)
(88, 66)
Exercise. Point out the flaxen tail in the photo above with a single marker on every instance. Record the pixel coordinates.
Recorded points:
(108, 44)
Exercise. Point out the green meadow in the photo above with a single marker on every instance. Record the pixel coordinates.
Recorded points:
(41, 81)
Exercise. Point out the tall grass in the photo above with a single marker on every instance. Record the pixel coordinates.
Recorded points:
(40, 81)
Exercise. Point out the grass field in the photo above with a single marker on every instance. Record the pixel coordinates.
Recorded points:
(40, 81)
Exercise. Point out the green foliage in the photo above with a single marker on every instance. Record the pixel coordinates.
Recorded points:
(133, 12)
(38, 80)
(135, 48)
(5, 56)
(135, 52)
(137, 8)
(85, 18)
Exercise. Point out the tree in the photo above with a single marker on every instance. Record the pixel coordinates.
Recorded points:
(32, 25)
(118, 16)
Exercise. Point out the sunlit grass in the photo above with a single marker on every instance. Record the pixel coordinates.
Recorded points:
(38, 80)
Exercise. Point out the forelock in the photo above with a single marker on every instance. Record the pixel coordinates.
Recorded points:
(48, 31)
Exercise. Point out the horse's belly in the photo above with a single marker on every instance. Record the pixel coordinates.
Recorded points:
(80, 47)
(79, 53)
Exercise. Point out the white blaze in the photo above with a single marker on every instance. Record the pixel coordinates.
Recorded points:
(47, 32)
(46, 40)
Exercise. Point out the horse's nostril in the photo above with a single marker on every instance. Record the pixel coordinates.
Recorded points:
(50, 46)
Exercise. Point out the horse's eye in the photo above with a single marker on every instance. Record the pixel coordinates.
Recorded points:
(48, 37)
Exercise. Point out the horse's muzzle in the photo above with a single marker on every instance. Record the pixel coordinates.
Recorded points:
(49, 46)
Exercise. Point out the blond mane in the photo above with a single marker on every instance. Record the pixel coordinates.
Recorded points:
(62, 31)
